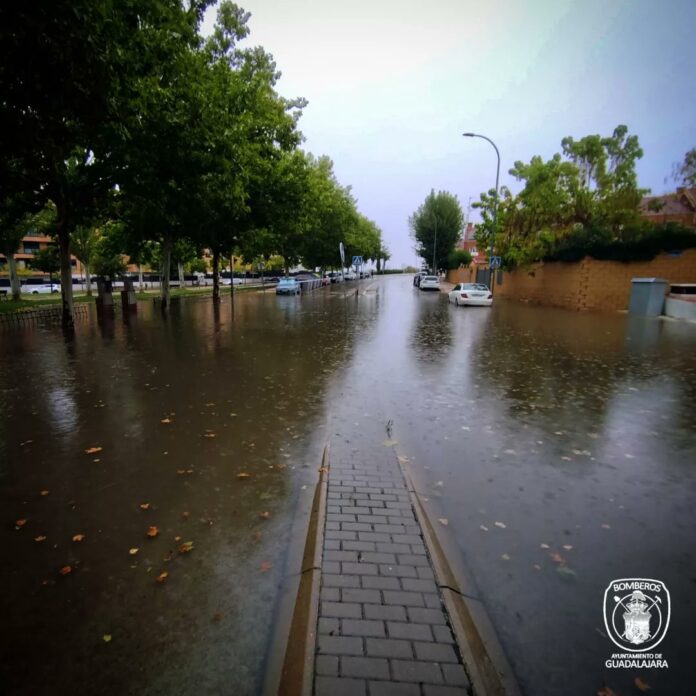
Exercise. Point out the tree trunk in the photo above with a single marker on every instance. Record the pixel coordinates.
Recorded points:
(216, 275)
(164, 275)
(180, 267)
(14, 278)
(66, 286)
(88, 279)
(140, 276)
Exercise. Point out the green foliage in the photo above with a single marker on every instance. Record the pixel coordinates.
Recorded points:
(436, 227)
(458, 258)
(685, 172)
(197, 266)
(46, 260)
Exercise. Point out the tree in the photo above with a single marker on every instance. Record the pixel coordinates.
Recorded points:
(685, 173)
(436, 227)
(47, 260)
(458, 258)
(83, 244)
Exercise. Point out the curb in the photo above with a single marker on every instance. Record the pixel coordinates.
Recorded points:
(296, 677)
(484, 660)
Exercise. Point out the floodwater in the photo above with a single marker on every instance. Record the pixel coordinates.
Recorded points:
(575, 433)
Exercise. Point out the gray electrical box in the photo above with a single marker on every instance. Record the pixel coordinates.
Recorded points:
(647, 296)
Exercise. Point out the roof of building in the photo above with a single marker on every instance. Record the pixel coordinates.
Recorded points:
(681, 202)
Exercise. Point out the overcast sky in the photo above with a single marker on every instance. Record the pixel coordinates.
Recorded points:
(392, 85)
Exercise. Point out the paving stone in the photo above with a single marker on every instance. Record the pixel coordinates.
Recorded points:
(354, 510)
(413, 559)
(377, 582)
(406, 539)
(398, 571)
(411, 671)
(432, 601)
(455, 675)
(328, 626)
(340, 645)
(430, 616)
(362, 627)
(408, 631)
(370, 557)
(331, 567)
(340, 580)
(385, 613)
(433, 690)
(358, 545)
(332, 544)
(387, 647)
(391, 689)
(393, 548)
(333, 686)
(373, 536)
(342, 610)
(425, 574)
(327, 665)
(410, 599)
(343, 536)
(330, 594)
(435, 652)
(363, 596)
(373, 519)
(443, 634)
(418, 585)
(367, 667)
(355, 527)
(341, 556)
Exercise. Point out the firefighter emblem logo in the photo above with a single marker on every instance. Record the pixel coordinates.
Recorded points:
(636, 613)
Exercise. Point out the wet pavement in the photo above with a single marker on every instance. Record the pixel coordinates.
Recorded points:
(571, 431)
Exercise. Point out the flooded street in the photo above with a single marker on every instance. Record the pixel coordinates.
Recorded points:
(561, 445)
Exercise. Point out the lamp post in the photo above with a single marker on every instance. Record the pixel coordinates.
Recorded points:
(495, 209)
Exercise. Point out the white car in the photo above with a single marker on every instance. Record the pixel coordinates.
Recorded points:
(476, 294)
(349, 275)
(47, 289)
(430, 282)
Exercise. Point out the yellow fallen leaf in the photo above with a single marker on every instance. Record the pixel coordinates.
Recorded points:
(166, 420)
(177, 538)
(162, 576)
(243, 475)
(502, 525)
(640, 684)
(544, 546)
(323, 469)
(557, 558)
(186, 547)
(65, 570)
(443, 521)
(93, 450)
(133, 551)
(185, 515)
(264, 515)
(78, 537)
(40, 538)
(505, 557)
(568, 547)
(152, 532)
(390, 443)
(144, 506)
(45, 492)
(606, 526)
(20, 523)
(209, 433)
(106, 637)
(483, 526)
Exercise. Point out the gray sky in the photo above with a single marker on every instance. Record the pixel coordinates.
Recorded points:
(393, 84)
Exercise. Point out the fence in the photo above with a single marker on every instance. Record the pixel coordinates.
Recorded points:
(40, 316)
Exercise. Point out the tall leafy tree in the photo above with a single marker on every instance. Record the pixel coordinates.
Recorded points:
(436, 227)
(685, 171)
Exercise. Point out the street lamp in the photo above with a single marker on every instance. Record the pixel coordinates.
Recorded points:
(495, 209)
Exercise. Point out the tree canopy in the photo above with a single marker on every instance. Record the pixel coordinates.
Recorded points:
(436, 227)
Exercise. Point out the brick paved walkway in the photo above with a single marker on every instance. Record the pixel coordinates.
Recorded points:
(383, 630)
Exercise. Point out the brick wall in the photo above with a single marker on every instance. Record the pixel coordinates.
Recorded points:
(588, 284)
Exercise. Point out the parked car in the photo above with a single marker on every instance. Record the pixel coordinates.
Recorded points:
(430, 282)
(288, 286)
(349, 275)
(335, 276)
(476, 294)
(418, 277)
(47, 289)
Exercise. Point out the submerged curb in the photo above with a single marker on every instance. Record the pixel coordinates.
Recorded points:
(484, 659)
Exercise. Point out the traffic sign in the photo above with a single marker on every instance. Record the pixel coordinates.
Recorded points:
(357, 261)
(496, 262)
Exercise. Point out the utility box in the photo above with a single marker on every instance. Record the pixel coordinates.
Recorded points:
(647, 296)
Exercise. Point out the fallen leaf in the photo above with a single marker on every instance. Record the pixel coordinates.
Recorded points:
(443, 521)
(180, 471)
(65, 570)
(177, 538)
(266, 566)
(185, 515)
(210, 403)
(133, 551)
(502, 525)
(144, 506)
(152, 532)
(606, 691)
(186, 547)
(505, 557)
(40, 538)
(20, 523)
(189, 471)
(209, 433)
(390, 443)
(45, 492)
(606, 526)
(568, 547)
(166, 420)
(544, 546)
(93, 450)
(537, 566)
(640, 684)
(557, 558)
(217, 616)
(281, 466)
(264, 515)
(323, 469)
(483, 526)
(243, 475)
(566, 573)
(78, 537)
(162, 576)
(106, 637)
(168, 556)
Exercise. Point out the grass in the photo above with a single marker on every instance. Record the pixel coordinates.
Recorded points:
(34, 302)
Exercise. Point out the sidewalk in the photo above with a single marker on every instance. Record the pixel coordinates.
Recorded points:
(382, 628)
